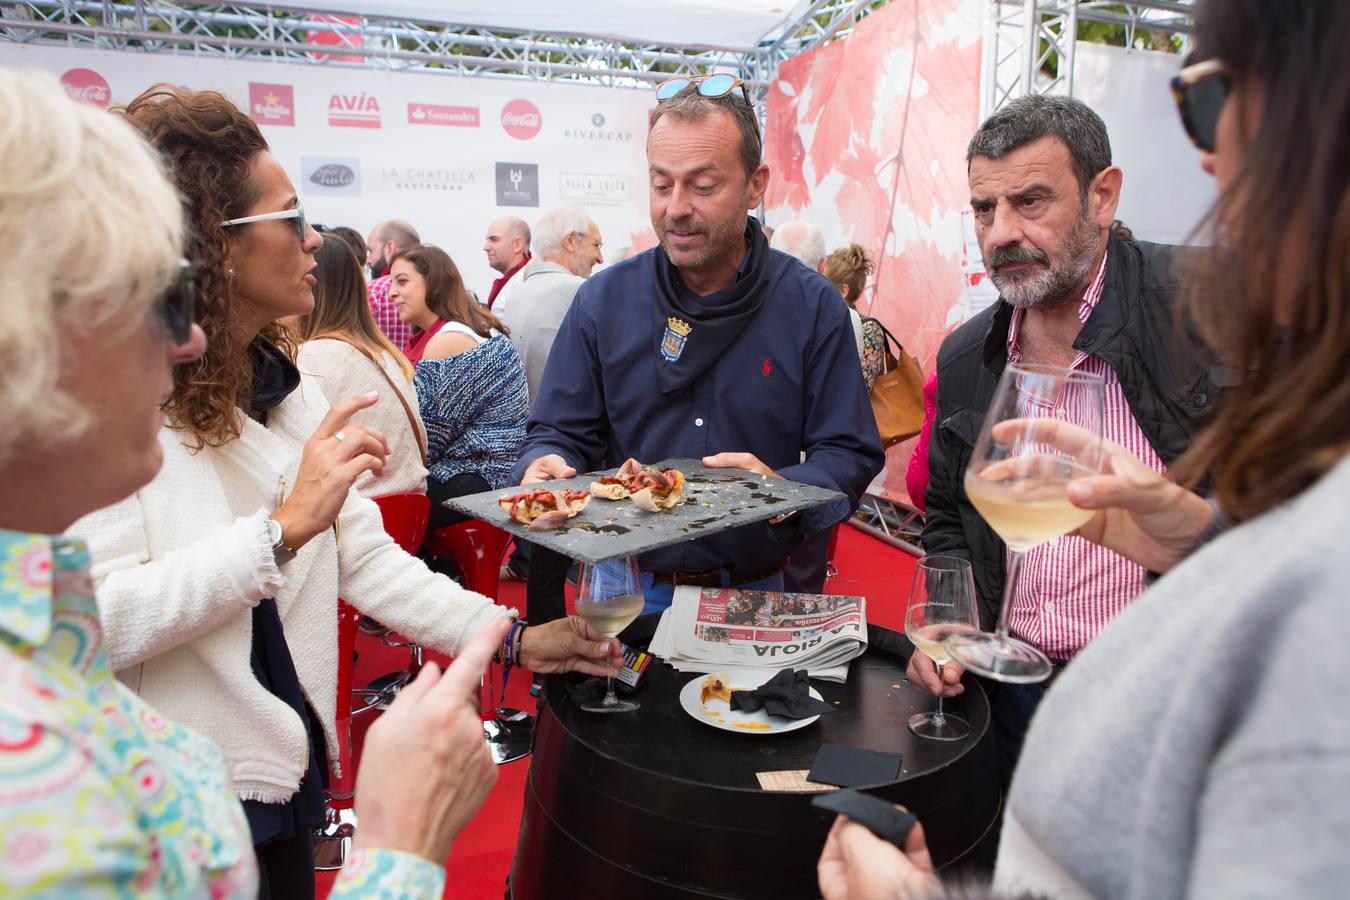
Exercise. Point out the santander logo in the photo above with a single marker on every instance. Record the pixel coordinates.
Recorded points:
(521, 119)
(87, 86)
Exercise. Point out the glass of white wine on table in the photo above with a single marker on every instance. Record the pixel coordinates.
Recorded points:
(941, 604)
(609, 597)
(1020, 486)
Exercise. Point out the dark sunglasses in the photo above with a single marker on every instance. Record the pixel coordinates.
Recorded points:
(177, 306)
(1201, 91)
(298, 214)
(718, 85)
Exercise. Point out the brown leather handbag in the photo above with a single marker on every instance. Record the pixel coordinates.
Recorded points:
(897, 394)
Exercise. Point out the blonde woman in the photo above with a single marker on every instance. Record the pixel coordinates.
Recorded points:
(345, 353)
(848, 268)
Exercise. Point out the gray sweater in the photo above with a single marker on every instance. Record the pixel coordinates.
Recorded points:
(1200, 746)
(537, 307)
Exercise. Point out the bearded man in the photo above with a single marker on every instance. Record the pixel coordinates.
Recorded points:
(1073, 294)
(709, 346)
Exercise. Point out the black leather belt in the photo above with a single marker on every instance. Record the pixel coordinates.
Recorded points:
(713, 577)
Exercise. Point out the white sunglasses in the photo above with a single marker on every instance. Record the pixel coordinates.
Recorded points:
(298, 214)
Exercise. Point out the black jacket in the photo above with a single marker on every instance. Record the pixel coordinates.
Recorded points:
(1168, 377)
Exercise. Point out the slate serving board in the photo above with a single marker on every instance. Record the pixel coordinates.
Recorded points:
(714, 500)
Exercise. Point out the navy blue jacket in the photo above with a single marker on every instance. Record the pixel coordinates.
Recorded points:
(790, 383)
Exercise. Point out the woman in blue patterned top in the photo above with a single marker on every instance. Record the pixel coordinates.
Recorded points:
(470, 382)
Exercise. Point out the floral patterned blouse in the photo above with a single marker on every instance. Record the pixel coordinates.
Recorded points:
(99, 795)
(874, 351)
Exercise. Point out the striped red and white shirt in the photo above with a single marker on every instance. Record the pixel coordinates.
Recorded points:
(1070, 588)
(386, 314)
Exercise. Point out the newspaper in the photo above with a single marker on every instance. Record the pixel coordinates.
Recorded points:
(714, 629)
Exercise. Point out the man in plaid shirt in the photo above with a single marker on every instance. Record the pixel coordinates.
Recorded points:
(386, 241)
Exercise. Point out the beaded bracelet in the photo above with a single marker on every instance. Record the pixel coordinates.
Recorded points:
(508, 654)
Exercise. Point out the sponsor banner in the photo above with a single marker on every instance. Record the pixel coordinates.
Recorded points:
(583, 189)
(517, 184)
(337, 177)
(87, 86)
(440, 114)
(271, 104)
(427, 179)
(521, 119)
(599, 130)
(353, 111)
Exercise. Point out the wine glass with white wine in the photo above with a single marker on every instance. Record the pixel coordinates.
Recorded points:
(941, 604)
(609, 597)
(1019, 483)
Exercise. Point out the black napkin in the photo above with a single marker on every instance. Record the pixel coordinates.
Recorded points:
(873, 813)
(787, 694)
(586, 690)
(852, 766)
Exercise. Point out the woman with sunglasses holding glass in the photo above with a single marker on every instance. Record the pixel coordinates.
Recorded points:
(219, 580)
(1200, 746)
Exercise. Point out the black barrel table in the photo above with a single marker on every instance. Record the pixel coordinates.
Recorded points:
(653, 804)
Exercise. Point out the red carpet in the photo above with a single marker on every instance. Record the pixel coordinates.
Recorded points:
(481, 857)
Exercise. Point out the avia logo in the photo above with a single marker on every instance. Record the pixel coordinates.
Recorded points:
(271, 104)
(438, 114)
(333, 175)
(353, 111)
(87, 86)
(521, 119)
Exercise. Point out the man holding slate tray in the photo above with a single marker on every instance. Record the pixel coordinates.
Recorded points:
(710, 346)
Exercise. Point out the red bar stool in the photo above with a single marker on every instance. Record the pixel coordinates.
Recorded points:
(477, 548)
(405, 520)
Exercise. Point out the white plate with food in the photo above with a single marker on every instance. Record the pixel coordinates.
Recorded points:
(708, 699)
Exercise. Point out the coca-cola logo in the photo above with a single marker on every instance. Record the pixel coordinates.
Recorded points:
(87, 86)
(521, 119)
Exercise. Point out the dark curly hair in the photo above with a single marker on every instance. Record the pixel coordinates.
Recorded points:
(209, 146)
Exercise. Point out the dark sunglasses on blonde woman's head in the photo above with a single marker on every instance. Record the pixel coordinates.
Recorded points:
(177, 306)
(1201, 90)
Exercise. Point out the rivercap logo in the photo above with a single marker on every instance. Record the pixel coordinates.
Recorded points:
(521, 119)
(438, 114)
(598, 132)
(331, 176)
(353, 111)
(517, 184)
(271, 104)
(87, 86)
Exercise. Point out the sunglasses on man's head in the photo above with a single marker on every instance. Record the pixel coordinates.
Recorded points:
(177, 306)
(298, 214)
(718, 85)
(1201, 91)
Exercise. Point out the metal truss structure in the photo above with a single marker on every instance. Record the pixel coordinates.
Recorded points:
(257, 31)
(1023, 36)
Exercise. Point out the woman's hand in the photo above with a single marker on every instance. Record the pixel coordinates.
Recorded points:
(334, 457)
(425, 769)
(858, 865)
(1144, 517)
(923, 672)
(569, 645)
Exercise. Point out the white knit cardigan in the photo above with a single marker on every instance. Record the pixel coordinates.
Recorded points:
(180, 565)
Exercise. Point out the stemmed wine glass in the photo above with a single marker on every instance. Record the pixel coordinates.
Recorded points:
(941, 603)
(1019, 481)
(609, 597)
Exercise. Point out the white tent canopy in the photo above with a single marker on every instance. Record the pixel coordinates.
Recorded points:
(739, 24)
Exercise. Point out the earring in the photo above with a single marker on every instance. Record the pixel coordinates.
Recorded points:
(229, 271)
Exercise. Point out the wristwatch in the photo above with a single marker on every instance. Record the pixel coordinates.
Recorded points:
(280, 552)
